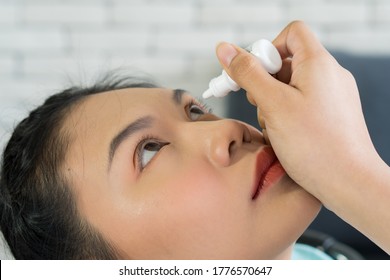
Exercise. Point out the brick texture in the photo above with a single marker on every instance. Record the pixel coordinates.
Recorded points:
(44, 42)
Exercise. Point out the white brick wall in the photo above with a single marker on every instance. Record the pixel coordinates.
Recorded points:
(243, 14)
(142, 13)
(7, 14)
(27, 40)
(63, 13)
(331, 14)
(43, 42)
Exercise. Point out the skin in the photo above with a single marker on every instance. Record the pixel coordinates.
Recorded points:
(312, 115)
(193, 200)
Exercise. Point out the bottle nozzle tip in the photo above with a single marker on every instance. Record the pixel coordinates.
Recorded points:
(208, 93)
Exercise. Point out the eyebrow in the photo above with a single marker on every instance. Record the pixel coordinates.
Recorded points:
(177, 95)
(136, 126)
(131, 129)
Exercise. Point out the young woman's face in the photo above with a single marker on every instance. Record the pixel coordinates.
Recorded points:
(162, 178)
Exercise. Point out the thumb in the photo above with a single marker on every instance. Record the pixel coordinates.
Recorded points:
(246, 70)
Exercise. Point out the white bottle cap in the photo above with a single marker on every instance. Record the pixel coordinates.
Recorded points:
(269, 58)
(268, 55)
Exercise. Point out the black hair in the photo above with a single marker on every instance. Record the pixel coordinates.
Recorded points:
(39, 216)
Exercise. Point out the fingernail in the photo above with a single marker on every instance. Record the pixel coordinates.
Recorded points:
(226, 52)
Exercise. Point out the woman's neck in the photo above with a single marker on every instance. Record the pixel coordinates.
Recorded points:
(286, 254)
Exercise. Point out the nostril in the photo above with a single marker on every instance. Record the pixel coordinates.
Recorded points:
(231, 146)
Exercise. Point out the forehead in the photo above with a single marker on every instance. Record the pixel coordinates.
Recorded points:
(107, 107)
(94, 121)
(133, 97)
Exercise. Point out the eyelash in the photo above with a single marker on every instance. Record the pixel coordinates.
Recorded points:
(199, 102)
(147, 138)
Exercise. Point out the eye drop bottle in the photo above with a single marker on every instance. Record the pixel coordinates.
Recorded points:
(269, 58)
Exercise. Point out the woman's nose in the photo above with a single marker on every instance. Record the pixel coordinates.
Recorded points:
(223, 139)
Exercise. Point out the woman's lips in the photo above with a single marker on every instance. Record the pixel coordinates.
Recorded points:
(268, 171)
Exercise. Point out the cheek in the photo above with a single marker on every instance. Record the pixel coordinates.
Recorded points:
(190, 199)
(190, 212)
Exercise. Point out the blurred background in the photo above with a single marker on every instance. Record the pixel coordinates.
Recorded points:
(46, 45)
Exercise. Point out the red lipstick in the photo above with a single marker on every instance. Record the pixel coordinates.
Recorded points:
(268, 171)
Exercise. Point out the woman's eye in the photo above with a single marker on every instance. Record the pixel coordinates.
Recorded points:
(147, 151)
(195, 112)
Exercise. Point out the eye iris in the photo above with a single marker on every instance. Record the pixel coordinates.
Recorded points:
(149, 151)
(152, 146)
(195, 112)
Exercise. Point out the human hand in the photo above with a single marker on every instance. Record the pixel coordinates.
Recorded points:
(311, 113)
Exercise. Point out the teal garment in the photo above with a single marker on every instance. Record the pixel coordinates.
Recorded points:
(306, 252)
